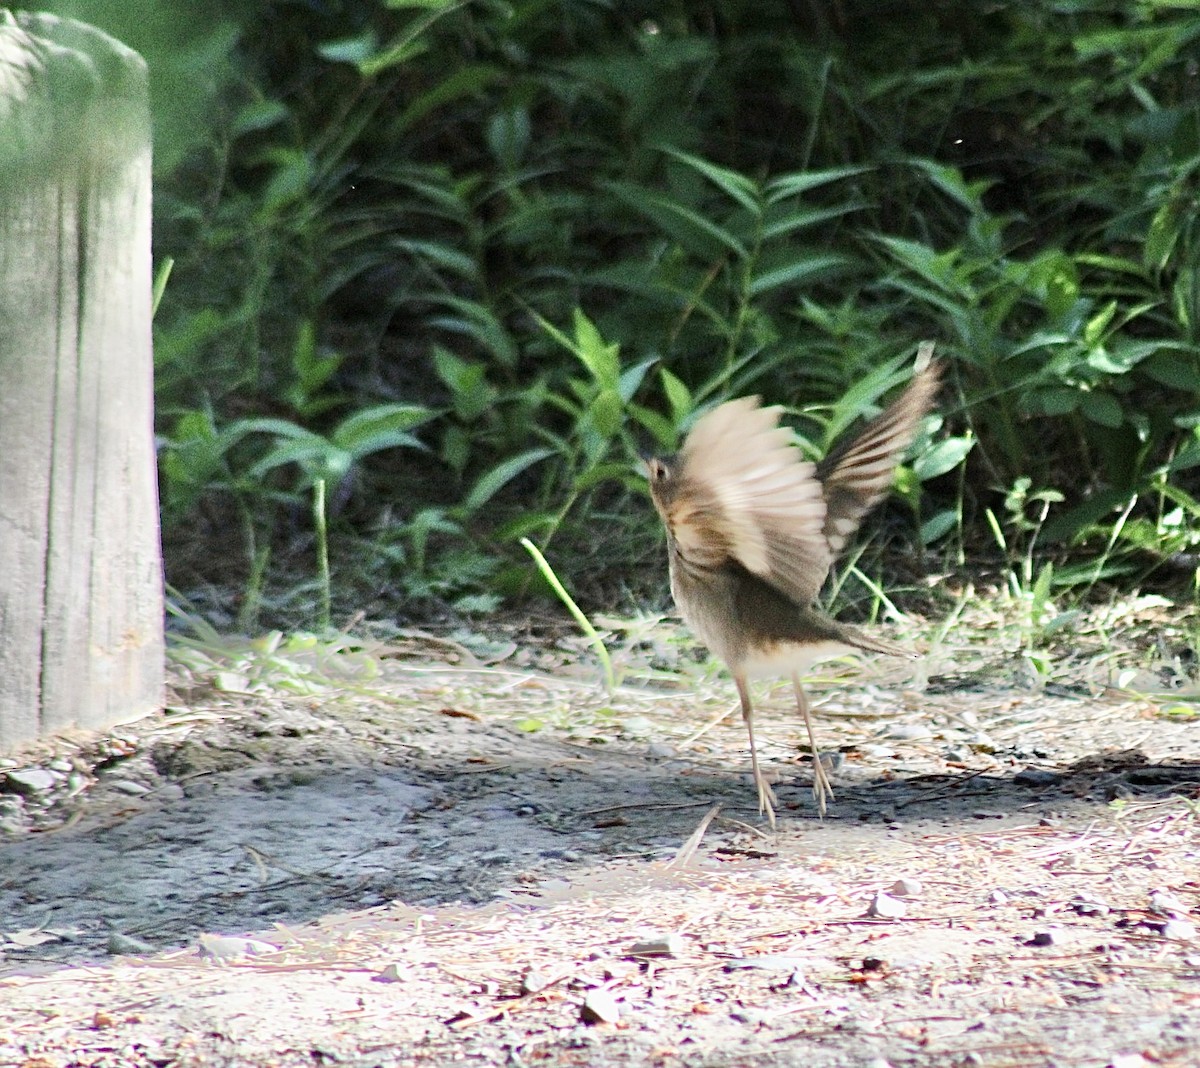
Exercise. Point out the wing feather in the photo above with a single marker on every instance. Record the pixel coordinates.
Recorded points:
(745, 493)
(858, 473)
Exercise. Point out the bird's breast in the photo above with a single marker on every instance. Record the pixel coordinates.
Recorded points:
(769, 660)
(706, 600)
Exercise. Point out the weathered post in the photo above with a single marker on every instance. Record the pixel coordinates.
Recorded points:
(81, 602)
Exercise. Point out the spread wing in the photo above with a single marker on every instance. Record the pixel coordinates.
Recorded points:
(744, 493)
(856, 474)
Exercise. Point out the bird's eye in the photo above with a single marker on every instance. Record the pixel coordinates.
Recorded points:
(656, 469)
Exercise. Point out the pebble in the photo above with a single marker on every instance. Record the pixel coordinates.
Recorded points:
(61, 765)
(122, 945)
(1036, 777)
(533, 981)
(1049, 936)
(671, 945)
(884, 906)
(753, 1017)
(128, 786)
(620, 969)
(1166, 904)
(908, 732)
(230, 947)
(906, 887)
(393, 973)
(782, 962)
(1178, 930)
(877, 752)
(833, 761)
(569, 855)
(661, 751)
(29, 781)
(1089, 906)
(599, 1006)
(1129, 1060)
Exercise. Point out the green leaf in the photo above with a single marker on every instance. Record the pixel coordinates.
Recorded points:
(442, 256)
(1162, 235)
(665, 431)
(604, 472)
(690, 230)
(352, 50)
(480, 323)
(468, 81)
(736, 186)
(383, 426)
(784, 225)
(933, 267)
(603, 360)
(938, 526)
(470, 391)
(798, 272)
(1055, 402)
(392, 56)
(500, 476)
(316, 456)
(1176, 367)
(679, 397)
(1102, 408)
(258, 116)
(632, 378)
(290, 180)
(1098, 323)
(790, 185)
(944, 456)
(951, 182)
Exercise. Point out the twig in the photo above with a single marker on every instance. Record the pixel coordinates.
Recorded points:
(688, 849)
(707, 727)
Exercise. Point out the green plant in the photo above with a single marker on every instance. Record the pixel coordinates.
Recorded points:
(562, 233)
(1030, 584)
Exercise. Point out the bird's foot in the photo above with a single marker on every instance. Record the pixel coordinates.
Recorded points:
(766, 797)
(822, 789)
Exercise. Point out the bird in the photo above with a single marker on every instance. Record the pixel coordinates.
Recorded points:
(753, 529)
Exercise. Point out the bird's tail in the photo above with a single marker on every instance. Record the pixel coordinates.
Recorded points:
(868, 643)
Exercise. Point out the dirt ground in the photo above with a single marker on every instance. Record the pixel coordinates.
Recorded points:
(426, 854)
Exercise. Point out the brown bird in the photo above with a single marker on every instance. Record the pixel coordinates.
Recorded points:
(752, 529)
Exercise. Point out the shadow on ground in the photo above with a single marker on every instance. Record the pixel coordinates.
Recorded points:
(282, 817)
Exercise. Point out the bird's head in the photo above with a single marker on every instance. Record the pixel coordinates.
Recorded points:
(660, 474)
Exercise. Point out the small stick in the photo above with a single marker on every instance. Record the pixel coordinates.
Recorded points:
(688, 849)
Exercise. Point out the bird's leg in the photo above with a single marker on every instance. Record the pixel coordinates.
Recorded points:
(766, 796)
(821, 787)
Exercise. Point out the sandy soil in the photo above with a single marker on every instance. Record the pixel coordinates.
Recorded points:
(439, 863)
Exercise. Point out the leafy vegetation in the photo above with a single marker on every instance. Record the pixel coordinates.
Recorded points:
(459, 261)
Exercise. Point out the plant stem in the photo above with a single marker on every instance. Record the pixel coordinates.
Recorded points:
(585, 624)
(322, 553)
